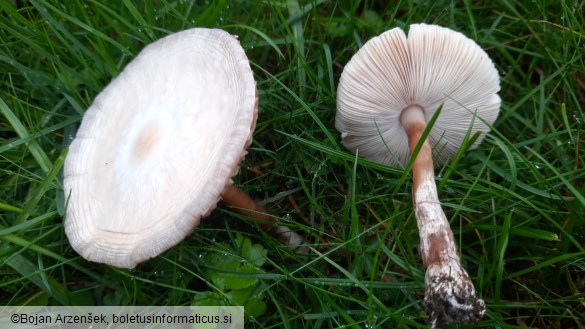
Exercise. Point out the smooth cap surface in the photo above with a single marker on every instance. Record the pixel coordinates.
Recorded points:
(158, 146)
(432, 66)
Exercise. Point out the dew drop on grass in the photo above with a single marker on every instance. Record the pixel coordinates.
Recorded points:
(46, 119)
(508, 69)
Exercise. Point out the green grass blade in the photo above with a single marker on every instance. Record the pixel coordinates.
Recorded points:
(34, 148)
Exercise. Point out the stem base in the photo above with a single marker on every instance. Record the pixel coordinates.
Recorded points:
(450, 296)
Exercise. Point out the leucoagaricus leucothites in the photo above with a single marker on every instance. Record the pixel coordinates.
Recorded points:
(387, 94)
(158, 147)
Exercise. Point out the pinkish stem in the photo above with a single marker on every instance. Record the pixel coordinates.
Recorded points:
(245, 205)
(449, 294)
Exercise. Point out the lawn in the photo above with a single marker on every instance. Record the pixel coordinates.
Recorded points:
(516, 204)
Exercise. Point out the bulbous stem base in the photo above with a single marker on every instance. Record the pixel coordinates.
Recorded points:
(450, 296)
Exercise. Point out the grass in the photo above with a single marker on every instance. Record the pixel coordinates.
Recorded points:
(516, 204)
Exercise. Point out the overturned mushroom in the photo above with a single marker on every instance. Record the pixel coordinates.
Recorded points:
(387, 94)
(158, 147)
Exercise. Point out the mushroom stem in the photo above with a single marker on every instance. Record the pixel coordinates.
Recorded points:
(245, 205)
(449, 294)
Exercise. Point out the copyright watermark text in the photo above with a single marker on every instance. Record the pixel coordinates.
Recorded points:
(130, 317)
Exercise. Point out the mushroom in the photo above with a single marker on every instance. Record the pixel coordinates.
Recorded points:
(157, 149)
(388, 92)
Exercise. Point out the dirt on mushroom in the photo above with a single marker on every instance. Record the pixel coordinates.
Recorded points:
(387, 94)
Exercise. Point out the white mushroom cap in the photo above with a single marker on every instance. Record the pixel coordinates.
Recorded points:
(158, 146)
(432, 66)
